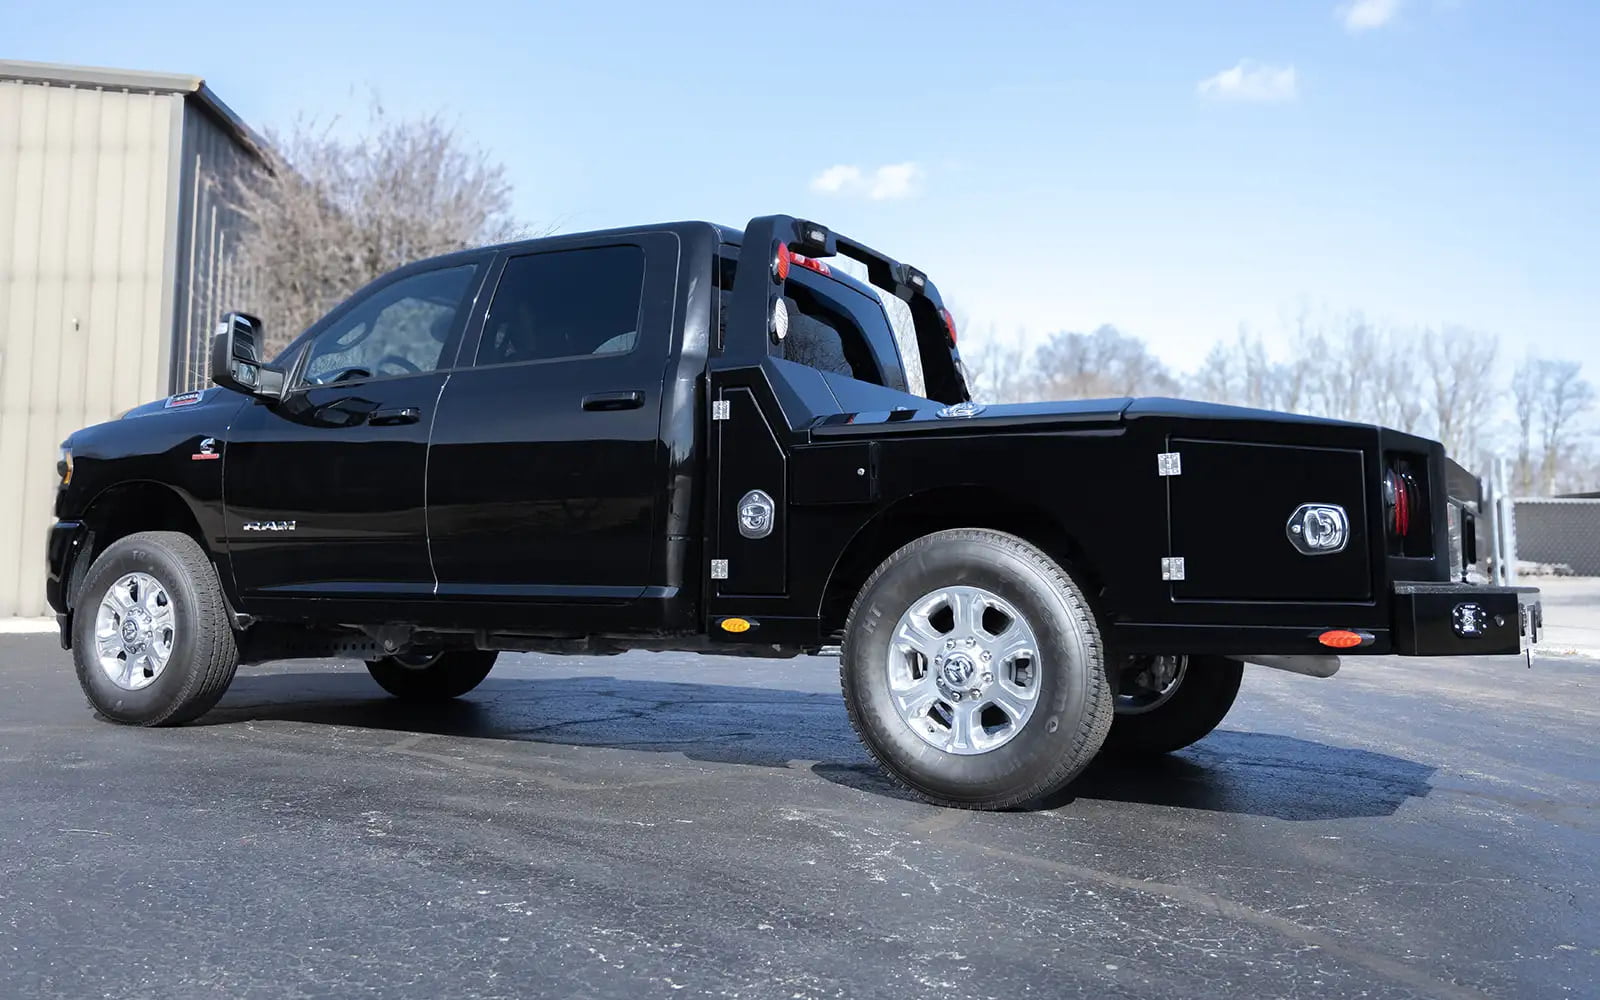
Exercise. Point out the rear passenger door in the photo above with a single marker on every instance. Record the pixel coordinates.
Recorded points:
(544, 463)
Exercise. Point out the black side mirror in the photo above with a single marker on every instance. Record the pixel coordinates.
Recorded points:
(235, 359)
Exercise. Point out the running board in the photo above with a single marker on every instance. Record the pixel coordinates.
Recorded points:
(1311, 666)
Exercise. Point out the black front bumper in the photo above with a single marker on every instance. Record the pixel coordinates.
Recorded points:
(1458, 619)
(67, 539)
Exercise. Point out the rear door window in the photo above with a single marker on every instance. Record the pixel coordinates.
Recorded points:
(564, 304)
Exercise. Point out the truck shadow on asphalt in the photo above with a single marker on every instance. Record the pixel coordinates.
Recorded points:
(1245, 773)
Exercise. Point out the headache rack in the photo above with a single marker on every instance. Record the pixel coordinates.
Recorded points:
(776, 239)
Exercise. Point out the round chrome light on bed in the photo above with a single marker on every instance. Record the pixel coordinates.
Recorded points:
(1319, 529)
(780, 320)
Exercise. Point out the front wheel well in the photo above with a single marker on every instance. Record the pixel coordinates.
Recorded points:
(936, 510)
(126, 508)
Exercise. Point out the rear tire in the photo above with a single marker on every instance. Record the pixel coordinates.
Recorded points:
(436, 677)
(1194, 708)
(1042, 704)
(151, 637)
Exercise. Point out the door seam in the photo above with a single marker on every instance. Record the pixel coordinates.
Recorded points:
(427, 458)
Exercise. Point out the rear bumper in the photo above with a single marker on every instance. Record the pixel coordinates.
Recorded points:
(1457, 619)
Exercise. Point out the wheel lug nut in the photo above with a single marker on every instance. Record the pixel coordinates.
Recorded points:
(987, 656)
(949, 644)
(955, 695)
(988, 678)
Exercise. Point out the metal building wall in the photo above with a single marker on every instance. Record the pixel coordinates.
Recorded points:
(210, 277)
(84, 190)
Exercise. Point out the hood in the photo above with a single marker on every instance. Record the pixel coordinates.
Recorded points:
(181, 401)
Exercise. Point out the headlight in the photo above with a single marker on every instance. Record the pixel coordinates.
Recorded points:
(64, 465)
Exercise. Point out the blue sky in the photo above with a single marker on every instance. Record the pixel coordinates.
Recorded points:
(1173, 168)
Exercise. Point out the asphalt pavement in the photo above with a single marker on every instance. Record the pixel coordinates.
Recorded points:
(663, 825)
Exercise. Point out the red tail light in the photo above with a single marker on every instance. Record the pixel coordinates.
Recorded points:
(810, 263)
(949, 324)
(780, 262)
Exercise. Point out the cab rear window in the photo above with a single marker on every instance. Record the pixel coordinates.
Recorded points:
(837, 328)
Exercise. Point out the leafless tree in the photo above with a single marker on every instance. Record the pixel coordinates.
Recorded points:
(335, 211)
(1241, 373)
(1525, 390)
(1106, 362)
(1000, 369)
(1459, 370)
(1565, 397)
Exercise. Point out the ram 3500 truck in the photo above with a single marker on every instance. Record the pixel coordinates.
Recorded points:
(687, 437)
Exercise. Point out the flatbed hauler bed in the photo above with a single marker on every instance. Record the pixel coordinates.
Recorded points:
(690, 437)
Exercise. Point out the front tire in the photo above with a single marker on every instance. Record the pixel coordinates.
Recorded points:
(434, 676)
(1150, 723)
(973, 670)
(151, 641)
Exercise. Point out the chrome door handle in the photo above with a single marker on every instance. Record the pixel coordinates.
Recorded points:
(398, 415)
(632, 399)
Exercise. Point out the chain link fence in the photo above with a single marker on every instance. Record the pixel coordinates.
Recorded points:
(1535, 536)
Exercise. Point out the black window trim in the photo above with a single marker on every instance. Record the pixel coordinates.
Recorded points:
(481, 320)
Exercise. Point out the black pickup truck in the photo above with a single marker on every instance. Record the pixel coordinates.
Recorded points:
(687, 437)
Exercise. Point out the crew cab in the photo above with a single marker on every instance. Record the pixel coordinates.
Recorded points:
(690, 437)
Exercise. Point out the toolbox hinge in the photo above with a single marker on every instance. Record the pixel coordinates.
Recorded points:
(1169, 463)
(721, 409)
(1172, 568)
(719, 569)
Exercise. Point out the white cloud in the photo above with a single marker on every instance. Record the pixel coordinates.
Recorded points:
(1251, 81)
(1360, 15)
(888, 182)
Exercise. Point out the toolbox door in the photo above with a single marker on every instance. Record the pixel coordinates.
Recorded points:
(1230, 509)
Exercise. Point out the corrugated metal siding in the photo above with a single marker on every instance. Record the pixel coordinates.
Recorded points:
(210, 278)
(84, 179)
(1559, 531)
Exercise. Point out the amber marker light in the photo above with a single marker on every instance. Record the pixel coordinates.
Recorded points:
(1341, 639)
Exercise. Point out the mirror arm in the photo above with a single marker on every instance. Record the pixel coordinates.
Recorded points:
(270, 383)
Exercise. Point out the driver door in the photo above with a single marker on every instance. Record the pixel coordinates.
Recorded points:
(324, 488)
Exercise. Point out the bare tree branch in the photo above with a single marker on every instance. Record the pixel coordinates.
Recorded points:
(333, 213)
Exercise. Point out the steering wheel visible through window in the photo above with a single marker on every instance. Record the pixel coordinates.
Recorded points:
(396, 330)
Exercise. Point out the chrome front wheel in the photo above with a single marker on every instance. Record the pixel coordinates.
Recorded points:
(134, 631)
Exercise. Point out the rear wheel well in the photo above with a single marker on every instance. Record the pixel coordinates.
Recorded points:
(936, 510)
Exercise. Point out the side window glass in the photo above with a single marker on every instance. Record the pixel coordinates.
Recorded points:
(401, 329)
(565, 304)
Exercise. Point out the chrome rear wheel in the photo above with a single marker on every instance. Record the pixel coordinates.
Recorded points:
(964, 670)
